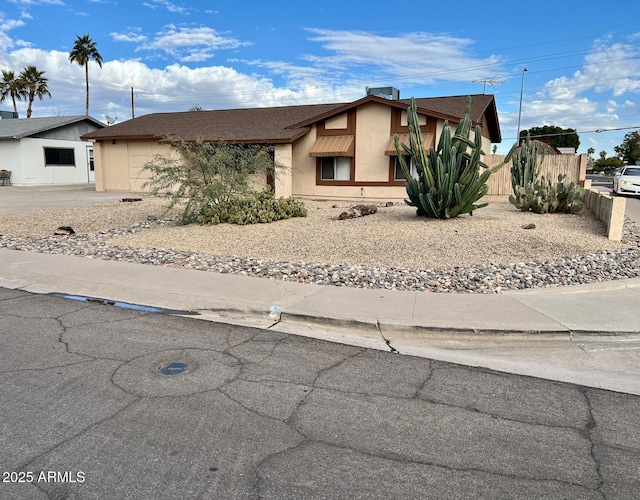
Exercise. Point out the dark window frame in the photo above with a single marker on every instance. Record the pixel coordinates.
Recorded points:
(59, 157)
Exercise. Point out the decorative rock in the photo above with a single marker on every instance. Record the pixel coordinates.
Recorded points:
(64, 231)
(366, 209)
(349, 213)
(596, 267)
(529, 226)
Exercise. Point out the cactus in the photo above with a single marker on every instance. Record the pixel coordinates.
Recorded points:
(525, 169)
(535, 193)
(451, 178)
(545, 197)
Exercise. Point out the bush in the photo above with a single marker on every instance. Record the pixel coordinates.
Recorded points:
(253, 208)
(212, 182)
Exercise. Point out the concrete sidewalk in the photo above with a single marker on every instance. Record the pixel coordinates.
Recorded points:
(589, 335)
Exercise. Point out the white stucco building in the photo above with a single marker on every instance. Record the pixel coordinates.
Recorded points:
(48, 150)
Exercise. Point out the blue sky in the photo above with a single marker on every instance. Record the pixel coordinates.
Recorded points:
(583, 63)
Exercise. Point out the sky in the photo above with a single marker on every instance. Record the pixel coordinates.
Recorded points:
(582, 59)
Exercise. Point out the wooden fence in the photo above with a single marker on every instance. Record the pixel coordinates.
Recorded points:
(573, 166)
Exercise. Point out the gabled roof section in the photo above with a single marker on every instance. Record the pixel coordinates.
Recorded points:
(446, 108)
(19, 128)
(453, 108)
(244, 125)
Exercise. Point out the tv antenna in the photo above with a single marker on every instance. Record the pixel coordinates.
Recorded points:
(490, 81)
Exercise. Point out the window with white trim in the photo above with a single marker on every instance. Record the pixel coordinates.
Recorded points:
(398, 173)
(335, 168)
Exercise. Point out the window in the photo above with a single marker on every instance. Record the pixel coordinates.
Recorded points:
(335, 168)
(398, 173)
(55, 157)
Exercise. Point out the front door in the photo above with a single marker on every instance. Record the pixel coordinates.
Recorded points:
(91, 169)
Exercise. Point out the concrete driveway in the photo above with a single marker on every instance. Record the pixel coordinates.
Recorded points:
(25, 198)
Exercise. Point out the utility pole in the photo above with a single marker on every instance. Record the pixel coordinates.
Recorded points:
(520, 110)
(133, 114)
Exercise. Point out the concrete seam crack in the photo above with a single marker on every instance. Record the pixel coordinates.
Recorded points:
(386, 341)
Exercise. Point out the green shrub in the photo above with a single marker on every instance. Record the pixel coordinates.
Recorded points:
(200, 175)
(252, 208)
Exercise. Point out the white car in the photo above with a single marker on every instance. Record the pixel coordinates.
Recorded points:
(627, 180)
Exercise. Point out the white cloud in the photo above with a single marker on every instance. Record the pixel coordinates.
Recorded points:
(170, 6)
(7, 25)
(413, 57)
(592, 98)
(184, 43)
(173, 88)
(24, 3)
(607, 68)
(128, 37)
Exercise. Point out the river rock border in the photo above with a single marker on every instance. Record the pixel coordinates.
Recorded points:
(483, 278)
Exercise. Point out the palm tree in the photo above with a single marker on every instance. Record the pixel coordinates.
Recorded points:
(11, 86)
(34, 84)
(84, 49)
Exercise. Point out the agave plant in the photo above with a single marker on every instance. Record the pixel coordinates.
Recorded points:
(451, 178)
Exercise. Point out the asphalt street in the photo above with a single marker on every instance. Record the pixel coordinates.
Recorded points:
(87, 411)
(604, 183)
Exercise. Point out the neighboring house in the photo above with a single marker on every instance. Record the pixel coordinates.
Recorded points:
(337, 151)
(47, 150)
(546, 148)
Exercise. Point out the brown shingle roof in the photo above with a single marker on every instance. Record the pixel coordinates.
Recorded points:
(251, 125)
(283, 124)
(453, 107)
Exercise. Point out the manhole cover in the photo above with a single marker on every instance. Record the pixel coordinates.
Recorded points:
(174, 369)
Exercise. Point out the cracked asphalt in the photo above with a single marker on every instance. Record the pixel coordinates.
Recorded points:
(86, 413)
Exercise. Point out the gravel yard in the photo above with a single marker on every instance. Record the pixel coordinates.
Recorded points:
(393, 248)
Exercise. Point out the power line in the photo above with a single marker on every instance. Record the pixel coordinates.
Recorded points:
(572, 132)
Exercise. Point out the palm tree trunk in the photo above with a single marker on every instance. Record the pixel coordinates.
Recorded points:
(86, 77)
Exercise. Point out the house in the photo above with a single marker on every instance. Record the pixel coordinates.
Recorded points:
(47, 150)
(336, 151)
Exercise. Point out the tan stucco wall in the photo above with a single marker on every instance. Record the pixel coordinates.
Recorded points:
(112, 166)
(284, 176)
(119, 166)
(125, 162)
(373, 131)
(486, 142)
(304, 166)
(337, 122)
